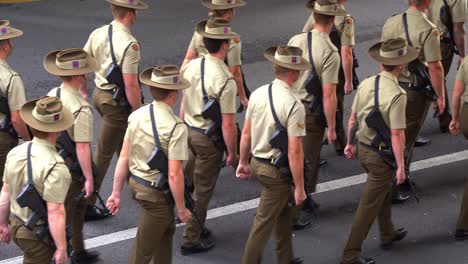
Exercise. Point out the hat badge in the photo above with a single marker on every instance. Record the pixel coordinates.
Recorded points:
(56, 117)
(176, 79)
(229, 1)
(4, 31)
(75, 64)
(131, 2)
(226, 30)
(400, 52)
(294, 59)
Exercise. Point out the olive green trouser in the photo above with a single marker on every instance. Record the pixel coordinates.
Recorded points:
(312, 145)
(463, 218)
(273, 212)
(207, 158)
(7, 143)
(416, 111)
(156, 227)
(376, 202)
(111, 134)
(447, 57)
(75, 210)
(340, 142)
(34, 250)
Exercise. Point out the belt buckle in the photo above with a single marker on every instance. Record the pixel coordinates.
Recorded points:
(153, 184)
(380, 148)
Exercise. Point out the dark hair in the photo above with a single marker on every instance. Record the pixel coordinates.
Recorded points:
(389, 68)
(280, 70)
(39, 134)
(322, 19)
(159, 94)
(120, 12)
(66, 78)
(215, 13)
(213, 45)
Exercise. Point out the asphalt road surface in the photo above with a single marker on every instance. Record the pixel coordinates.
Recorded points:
(164, 32)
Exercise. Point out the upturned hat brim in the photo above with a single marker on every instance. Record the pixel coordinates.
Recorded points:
(200, 29)
(145, 77)
(140, 6)
(411, 54)
(14, 33)
(63, 124)
(270, 55)
(51, 66)
(210, 5)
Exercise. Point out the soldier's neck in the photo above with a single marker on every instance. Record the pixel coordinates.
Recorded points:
(418, 8)
(72, 84)
(3, 56)
(124, 22)
(287, 79)
(218, 55)
(324, 28)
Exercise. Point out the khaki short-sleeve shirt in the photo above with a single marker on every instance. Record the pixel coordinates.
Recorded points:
(343, 24)
(462, 75)
(424, 35)
(173, 135)
(82, 129)
(50, 175)
(327, 61)
(12, 87)
(126, 49)
(290, 111)
(457, 10)
(233, 57)
(392, 100)
(219, 84)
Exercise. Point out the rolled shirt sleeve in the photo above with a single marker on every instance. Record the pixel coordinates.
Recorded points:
(227, 101)
(56, 184)
(131, 59)
(16, 95)
(331, 68)
(83, 128)
(397, 117)
(178, 144)
(235, 54)
(296, 121)
(347, 36)
(432, 46)
(458, 11)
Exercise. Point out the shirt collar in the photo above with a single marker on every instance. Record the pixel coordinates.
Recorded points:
(117, 24)
(389, 76)
(415, 12)
(70, 89)
(213, 58)
(281, 83)
(43, 142)
(4, 63)
(162, 105)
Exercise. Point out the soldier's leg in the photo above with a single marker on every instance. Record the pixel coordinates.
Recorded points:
(7, 143)
(189, 168)
(34, 250)
(463, 218)
(284, 247)
(340, 142)
(72, 213)
(387, 230)
(273, 200)
(208, 158)
(111, 134)
(372, 200)
(447, 58)
(154, 235)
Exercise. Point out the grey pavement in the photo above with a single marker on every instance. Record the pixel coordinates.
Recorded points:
(164, 32)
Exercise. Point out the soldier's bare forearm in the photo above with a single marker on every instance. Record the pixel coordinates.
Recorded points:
(56, 220)
(329, 104)
(352, 129)
(122, 169)
(460, 34)
(347, 62)
(398, 146)
(4, 205)
(296, 161)
(83, 152)
(176, 183)
(236, 72)
(19, 126)
(458, 91)
(245, 143)
(436, 72)
(229, 133)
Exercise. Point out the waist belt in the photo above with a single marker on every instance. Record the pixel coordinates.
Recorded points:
(265, 161)
(408, 86)
(199, 130)
(374, 148)
(144, 182)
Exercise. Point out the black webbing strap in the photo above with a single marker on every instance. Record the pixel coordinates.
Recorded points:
(446, 3)
(114, 59)
(58, 92)
(405, 25)
(205, 95)
(272, 107)
(29, 164)
(309, 47)
(155, 129)
(376, 93)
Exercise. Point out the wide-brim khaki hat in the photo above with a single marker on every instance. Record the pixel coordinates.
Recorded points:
(215, 28)
(133, 4)
(47, 114)
(7, 32)
(326, 7)
(223, 4)
(69, 62)
(393, 52)
(288, 57)
(164, 77)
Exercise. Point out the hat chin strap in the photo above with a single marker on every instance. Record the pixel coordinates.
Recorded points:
(48, 119)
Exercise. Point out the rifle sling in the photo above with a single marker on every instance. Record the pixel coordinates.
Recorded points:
(114, 59)
(154, 128)
(272, 107)
(205, 95)
(311, 57)
(29, 164)
(405, 24)
(376, 93)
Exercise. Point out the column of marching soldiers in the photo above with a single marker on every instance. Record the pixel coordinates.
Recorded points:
(51, 180)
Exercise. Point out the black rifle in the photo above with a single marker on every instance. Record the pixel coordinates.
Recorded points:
(375, 121)
(158, 161)
(246, 90)
(30, 198)
(447, 20)
(6, 125)
(336, 40)
(422, 79)
(115, 76)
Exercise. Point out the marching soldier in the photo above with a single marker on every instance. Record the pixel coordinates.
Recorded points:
(421, 34)
(321, 106)
(459, 124)
(449, 16)
(11, 97)
(113, 102)
(38, 167)
(271, 107)
(152, 127)
(222, 9)
(379, 97)
(342, 35)
(72, 66)
(212, 87)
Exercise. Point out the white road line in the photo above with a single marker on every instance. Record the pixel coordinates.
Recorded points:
(252, 204)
